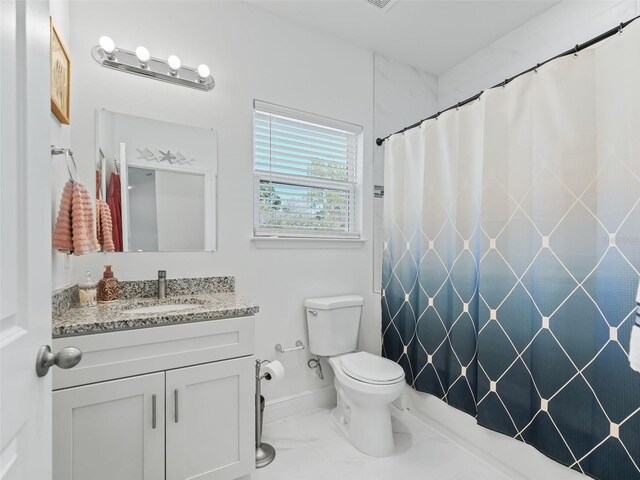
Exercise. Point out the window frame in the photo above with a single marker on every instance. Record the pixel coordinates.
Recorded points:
(353, 188)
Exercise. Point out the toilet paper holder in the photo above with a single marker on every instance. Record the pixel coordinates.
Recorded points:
(299, 346)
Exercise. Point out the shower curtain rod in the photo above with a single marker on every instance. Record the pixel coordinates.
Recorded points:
(574, 51)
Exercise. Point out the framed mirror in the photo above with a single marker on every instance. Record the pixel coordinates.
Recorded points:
(159, 180)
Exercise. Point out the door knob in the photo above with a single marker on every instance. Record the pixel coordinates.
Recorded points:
(68, 357)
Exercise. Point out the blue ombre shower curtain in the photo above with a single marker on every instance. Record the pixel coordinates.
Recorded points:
(512, 257)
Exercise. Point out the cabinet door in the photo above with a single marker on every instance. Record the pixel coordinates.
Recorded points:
(210, 421)
(107, 430)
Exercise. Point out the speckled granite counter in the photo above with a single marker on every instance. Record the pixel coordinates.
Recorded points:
(106, 318)
(207, 304)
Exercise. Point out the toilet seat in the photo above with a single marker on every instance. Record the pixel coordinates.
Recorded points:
(371, 369)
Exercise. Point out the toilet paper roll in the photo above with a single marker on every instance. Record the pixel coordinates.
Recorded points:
(274, 371)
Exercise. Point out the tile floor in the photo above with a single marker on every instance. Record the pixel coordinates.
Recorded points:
(310, 447)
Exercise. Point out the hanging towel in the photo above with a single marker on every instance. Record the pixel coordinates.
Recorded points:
(74, 231)
(634, 347)
(104, 226)
(62, 235)
(98, 183)
(83, 221)
(113, 200)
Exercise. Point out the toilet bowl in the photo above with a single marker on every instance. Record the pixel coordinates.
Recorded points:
(366, 385)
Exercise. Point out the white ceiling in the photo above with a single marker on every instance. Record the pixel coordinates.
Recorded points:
(433, 35)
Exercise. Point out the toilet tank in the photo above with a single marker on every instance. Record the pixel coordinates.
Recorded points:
(333, 324)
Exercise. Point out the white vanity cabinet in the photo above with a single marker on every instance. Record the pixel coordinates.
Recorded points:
(206, 431)
(108, 430)
(170, 402)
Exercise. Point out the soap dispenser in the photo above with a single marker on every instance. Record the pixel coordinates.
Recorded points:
(87, 292)
(108, 287)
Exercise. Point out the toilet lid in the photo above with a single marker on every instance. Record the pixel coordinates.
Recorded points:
(370, 368)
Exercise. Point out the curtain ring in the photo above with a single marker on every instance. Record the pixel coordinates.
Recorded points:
(537, 67)
(620, 28)
(575, 50)
(504, 84)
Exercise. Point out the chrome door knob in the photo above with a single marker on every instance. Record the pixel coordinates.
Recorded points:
(68, 357)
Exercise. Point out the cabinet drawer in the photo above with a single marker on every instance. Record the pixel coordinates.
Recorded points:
(125, 353)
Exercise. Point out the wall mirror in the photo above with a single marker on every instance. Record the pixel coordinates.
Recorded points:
(160, 179)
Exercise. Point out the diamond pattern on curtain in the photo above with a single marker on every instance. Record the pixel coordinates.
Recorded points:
(430, 263)
(512, 257)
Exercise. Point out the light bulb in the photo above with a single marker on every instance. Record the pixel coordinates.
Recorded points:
(143, 55)
(107, 45)
(174, 64)
(203, 72)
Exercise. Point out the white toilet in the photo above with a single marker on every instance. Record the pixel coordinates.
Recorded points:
(366, 383)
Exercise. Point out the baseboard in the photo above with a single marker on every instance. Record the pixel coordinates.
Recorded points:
(515, 459)
(298, 403)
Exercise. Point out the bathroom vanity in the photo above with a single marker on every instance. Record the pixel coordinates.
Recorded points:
(159, 393)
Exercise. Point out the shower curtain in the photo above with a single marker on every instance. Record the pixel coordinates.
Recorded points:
(512, 257)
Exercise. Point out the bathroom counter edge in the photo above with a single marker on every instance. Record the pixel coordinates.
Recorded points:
(113, 317)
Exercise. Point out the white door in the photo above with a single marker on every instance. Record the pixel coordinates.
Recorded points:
(110, 430)
(210, 421)
(25, 240)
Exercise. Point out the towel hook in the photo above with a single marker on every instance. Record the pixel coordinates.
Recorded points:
(69, 155)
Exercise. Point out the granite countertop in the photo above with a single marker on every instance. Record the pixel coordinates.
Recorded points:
(113, 317)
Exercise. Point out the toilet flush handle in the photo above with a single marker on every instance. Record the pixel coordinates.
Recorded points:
(313, 312)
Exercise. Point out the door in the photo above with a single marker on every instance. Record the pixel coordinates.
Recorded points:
(110, 430)
(210, 421)
(25, 239)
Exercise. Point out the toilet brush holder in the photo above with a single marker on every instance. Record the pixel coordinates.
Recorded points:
(265, 453)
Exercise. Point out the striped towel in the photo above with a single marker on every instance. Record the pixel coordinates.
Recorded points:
(634, 347)
(104, 226)
(75, 229)
(62, 233)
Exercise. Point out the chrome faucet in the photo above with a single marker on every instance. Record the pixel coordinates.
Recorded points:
(162, 284)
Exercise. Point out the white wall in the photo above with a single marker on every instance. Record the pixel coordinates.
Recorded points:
(140, 220)
(555, 31)
(180, 211)
(252, 54)
(61, 137)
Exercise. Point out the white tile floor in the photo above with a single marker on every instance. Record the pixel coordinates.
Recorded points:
(310, 447)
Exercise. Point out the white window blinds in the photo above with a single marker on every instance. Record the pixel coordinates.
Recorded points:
(306, 174)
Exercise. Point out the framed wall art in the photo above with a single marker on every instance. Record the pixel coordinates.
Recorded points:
(60, 78)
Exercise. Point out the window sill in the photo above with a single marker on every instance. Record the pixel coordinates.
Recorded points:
(296, 242)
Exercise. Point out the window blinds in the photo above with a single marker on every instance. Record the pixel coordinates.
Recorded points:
(306, 174)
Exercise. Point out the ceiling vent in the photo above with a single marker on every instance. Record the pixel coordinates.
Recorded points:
(382, 5)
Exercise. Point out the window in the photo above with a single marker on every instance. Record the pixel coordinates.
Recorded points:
(306, 174)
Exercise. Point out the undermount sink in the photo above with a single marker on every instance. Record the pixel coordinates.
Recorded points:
(170, 307)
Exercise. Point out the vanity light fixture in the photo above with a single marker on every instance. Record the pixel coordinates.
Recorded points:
(142, 63)
(174, 65)
(143, 56)
(108, 46)
(203, 72)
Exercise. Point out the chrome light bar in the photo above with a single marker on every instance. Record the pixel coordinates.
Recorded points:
(170, 71)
